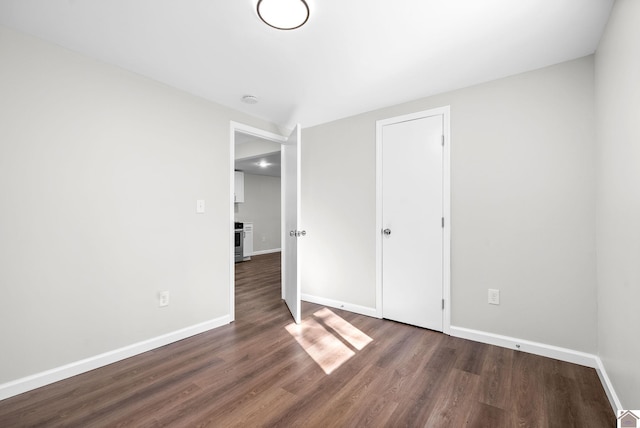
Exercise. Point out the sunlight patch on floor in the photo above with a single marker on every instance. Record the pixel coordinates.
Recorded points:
(328, 339)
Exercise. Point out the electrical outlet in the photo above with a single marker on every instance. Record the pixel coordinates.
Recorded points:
(163, 299)
(494, 296)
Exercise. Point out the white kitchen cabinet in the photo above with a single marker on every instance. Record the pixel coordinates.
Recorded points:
(247, 249)
(238, 195)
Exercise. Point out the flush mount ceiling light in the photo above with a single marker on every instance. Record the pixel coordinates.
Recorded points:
(283, 14)
(263, 164)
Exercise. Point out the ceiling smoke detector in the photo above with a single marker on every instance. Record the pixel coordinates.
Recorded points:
(249, 99)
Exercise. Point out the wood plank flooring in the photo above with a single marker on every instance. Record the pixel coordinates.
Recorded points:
(254, 372)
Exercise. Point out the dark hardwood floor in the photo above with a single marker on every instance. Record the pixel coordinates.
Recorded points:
(336, 369)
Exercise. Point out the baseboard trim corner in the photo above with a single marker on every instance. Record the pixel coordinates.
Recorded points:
(616, 405)
(28, 383)
(362, 310)
(550, 351)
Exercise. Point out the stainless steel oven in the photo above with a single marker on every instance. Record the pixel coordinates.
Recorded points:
(239, 238)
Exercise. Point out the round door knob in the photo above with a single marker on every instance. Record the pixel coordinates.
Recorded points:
(387, 232)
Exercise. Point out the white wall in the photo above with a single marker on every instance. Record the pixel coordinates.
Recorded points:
(262, 207)
(100, 170)
(523, 205)
(618, 232)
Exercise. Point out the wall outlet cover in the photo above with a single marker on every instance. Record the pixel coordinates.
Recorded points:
(163, 297)
(494, 296)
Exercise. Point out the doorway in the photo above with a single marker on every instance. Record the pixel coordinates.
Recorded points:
(413, 238)
(288, 152)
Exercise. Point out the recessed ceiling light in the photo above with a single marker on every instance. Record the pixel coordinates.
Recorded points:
(263, 164)
(249, 99)
(283, 14)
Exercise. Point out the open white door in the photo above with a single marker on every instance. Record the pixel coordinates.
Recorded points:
(291, 220)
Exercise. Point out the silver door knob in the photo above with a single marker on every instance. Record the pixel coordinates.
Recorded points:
(292, 233)
(387, 232)
(303, 232)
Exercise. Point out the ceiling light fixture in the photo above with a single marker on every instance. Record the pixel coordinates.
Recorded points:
(283, 14)
(263, 164)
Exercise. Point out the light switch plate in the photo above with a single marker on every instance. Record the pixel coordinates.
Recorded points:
(200, 206)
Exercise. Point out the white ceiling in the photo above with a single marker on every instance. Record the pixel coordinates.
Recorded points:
(352, 56)
(251, 165)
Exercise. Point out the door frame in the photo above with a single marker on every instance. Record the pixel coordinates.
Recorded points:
(265, 135)
(446, 208)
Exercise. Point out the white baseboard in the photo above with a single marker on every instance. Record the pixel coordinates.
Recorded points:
(563, 354)
(261, 252)
(362, 310)
(608, 387)
(38, 380)
(550, 351)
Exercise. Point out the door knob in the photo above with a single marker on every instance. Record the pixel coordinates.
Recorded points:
(303, 232)
(292, 233)
(387, 232)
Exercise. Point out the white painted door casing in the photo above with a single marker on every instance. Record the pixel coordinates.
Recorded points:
(413, 200)
(234, 128)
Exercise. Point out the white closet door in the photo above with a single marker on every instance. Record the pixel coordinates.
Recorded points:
(412, 216)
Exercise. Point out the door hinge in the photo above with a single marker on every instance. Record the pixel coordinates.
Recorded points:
(443, 141)
(443, 222)
(443, 304)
